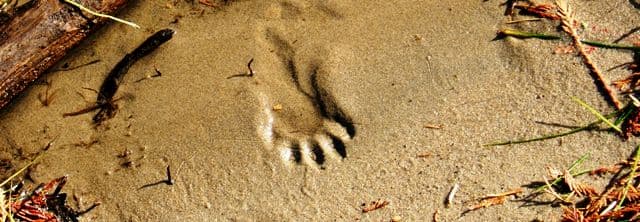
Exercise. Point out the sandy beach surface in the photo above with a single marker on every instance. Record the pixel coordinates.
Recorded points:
(339, 112)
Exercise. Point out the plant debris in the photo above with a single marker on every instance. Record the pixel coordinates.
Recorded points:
(562, 12)
(208, 3)
(44, 203)
(493, 200)
(547, 11)
(374, 205)
(451, 195)
(433, 126)
(619, 201)
(581, 201)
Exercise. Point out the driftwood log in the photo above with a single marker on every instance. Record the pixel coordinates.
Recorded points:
(39, 34)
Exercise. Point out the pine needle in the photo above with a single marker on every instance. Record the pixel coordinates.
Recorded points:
(589, 126)
(632, 175)
(576, 130)
(102, 15)
(597, 114)
(525, 35)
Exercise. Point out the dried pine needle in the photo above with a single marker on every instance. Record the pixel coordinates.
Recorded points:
(102, 15)
(494, 199)
(515, 191)
(374, 205)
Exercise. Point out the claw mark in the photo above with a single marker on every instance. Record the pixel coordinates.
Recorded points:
(328, 107)
(338, 145)
(317, 143)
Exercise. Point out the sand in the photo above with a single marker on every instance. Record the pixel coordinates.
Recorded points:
(390, 67)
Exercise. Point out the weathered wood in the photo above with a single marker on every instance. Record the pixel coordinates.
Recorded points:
(39, 35)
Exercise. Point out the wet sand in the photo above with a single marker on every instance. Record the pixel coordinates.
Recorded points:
(386, 68)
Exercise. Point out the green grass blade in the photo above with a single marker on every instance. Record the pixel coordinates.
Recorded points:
(525, 35)
(626, 112)
(632, 175)
(597, 114)
(611, 45)
(587, 127)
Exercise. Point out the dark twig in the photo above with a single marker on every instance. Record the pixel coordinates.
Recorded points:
(105, 102)
(112, 82)
(248, 74)
(629, 33)
(168, 181)
(67, 68)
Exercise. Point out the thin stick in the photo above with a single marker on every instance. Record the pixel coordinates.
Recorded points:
(567, 24)
(20, 171)
(169, 180)
(101, 15)
(250, 73)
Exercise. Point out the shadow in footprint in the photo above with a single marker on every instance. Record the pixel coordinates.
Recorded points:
(635, 3)
(309, 132)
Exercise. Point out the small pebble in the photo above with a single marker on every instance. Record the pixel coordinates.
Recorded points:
(277, 107)
(396, 218)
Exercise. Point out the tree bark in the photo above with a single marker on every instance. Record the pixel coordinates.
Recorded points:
(39, 35)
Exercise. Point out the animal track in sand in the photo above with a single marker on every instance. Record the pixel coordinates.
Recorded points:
(299, 116)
